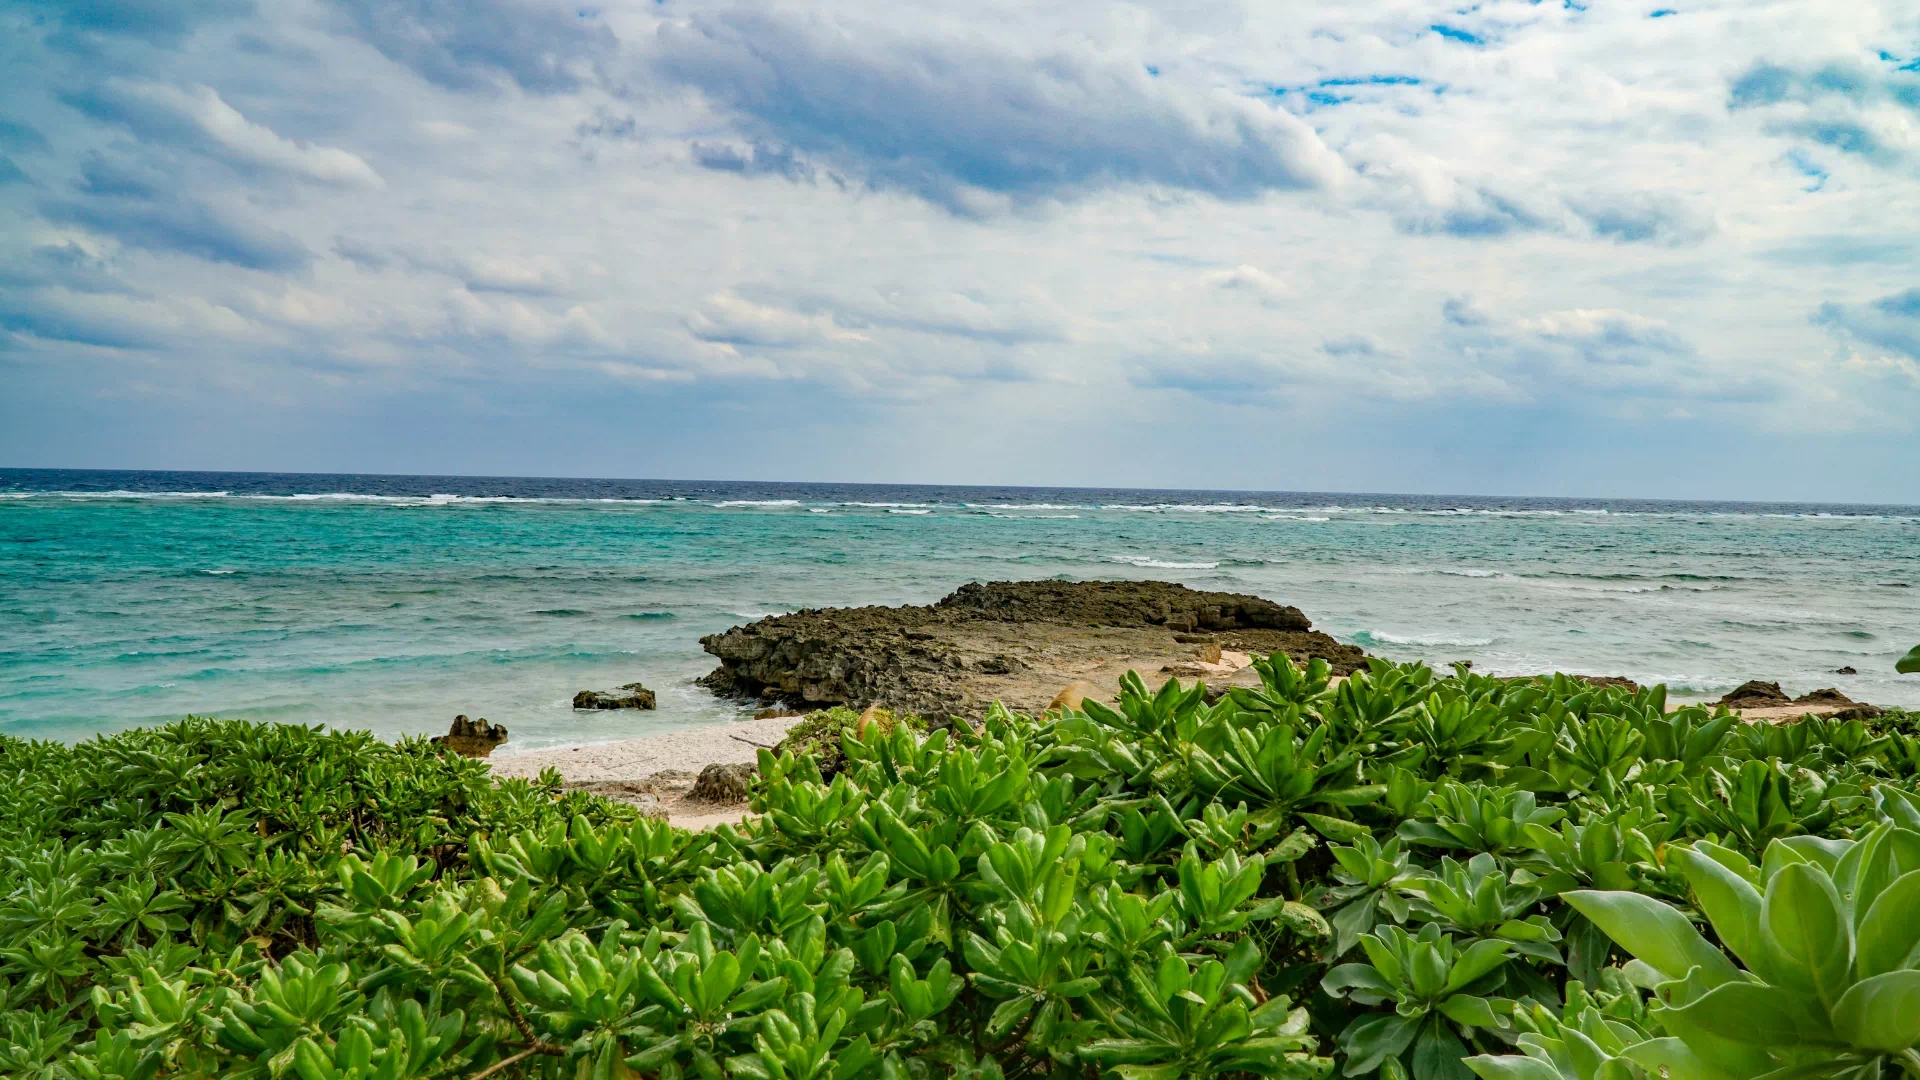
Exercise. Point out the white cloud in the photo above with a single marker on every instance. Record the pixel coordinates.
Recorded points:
(1250, 280)
(1305, 211)
(245, 141)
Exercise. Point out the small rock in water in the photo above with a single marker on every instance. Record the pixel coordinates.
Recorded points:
(631, 696)
(722, 783)
(471, 738)
(1848, 670)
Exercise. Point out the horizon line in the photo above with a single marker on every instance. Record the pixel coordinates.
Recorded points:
(4, 469)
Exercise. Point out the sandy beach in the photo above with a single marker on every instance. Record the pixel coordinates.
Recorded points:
(656, 770)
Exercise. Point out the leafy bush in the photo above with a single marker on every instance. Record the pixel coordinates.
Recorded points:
(1401, 875)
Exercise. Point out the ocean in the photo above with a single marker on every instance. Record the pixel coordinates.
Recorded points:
(391, 603)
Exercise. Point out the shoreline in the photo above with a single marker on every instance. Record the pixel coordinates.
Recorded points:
(656, 771)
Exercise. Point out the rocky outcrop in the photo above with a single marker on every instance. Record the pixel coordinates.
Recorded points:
(1012, 641)
(1829, 696)
(471, 738)
(1755, 694)
(1620, 681)
(722, 783)
(1121, 603)
(631, 696)
(1847, 708)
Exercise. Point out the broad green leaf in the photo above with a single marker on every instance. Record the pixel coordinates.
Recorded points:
(1910, 663)
(1479, 958)
(1802, 923)
(1654, 932)
(1334, 828)
(1881, 1013)
(1438, 1054)
(1728, 901)
(1756, 1015)
(1512, 1067)
(1373, 1039)
(1469, 1011)
(1890, 929)
(1672, 1059)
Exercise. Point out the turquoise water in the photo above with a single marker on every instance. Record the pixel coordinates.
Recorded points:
(392, 603)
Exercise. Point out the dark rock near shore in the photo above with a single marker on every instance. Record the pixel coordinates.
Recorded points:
(1848, 670)
(1849, 708)
(1828, 696)
(1621, 681)
(723, 783)
(1121, 603)
(630, 696)
(1013, 641)
(471, 738)
(1755, 694)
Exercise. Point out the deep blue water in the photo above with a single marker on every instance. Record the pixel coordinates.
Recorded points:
(393, 602)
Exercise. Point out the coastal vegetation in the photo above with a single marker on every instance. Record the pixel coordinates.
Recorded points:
(1406, 874)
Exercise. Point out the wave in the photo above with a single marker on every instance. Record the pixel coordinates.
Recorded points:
(1163, 564)
(904, 510)
(1382, 637)
(445, 499)
(117, 495)
(1191, 508)
(563, 612)
(649, 615)
(434, 499)
(219, 571)
(818, 510)
(1452, 571)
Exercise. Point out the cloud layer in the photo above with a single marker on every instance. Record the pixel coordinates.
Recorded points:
(820, 240)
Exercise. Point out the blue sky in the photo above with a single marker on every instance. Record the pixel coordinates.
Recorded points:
(1519, 247)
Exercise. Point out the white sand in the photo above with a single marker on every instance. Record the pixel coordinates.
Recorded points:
(635, 759)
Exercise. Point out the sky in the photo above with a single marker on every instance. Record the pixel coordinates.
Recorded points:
(1557, 248)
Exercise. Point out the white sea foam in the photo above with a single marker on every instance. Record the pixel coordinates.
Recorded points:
(1383, 637)
(219, 571)
(1190, 508)
(1163, 564)
(758, 502)
(818, 510)
(904, 510)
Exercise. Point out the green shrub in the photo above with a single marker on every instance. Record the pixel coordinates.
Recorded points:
(818, 734)
(1401, 875)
